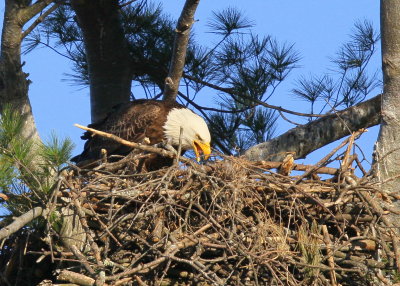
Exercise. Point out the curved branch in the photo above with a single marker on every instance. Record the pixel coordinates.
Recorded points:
(309, 137)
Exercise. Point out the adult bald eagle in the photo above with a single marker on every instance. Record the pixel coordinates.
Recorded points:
(158, 121)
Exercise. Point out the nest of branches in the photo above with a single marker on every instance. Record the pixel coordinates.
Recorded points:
(230, 222)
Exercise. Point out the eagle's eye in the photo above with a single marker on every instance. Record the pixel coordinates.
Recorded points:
(198, 137)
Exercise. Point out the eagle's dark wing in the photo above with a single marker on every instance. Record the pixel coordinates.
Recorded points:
(132, 121)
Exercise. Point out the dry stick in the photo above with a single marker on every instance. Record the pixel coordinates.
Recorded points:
(380, 212)
(346, 158)
(82, 258)
(360, 166)
(182, 33)
(197, 265)
(76, 278)
(174, 248)
(178, 155)
(327, 268)
(139, 281)
(297, 167)
(326, 158)
(82, 218)
(105, 226)
(139, 146)
(331, 260)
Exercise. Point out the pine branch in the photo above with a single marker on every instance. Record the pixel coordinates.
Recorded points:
(40, 20)
(256, 101)
(29, 12)
(182, 34)
(21, 221)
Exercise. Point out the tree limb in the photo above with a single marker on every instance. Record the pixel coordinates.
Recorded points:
(143, 147)
(181, 41)
(22, 220)
(40, 19)
(26, 14)
(309, 137)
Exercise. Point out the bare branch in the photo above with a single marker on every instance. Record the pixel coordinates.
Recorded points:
(306, 138)
(29, 12)
(159, 151)
(182, 31)
(40, 20)
(22, 220)
(76, 278)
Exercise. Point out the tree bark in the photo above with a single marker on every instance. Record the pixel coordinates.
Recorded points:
(14, 84)
(309, 137)
(107, 54)
(387, 151)
(22, 220)
(182, 34)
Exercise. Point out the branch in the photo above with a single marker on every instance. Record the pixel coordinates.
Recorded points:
(306, 138)
(147, 148)
(244, 96)
(40, 19)
(29, 12)
(22, 220)
(181, 41)
(76, 278)
(297, 167)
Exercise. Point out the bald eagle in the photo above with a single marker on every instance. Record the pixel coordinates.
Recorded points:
(150, 121)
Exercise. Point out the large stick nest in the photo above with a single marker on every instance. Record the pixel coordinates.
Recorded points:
(229, 222)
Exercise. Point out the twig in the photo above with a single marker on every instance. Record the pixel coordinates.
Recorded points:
(139, 146)
(82, 258)
(331, 261)
(242, 95)
(327, 157)
(178, 156)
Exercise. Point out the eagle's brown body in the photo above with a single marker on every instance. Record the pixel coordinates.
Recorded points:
(133, 121)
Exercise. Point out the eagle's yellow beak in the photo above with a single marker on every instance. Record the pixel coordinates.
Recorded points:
(201, 148)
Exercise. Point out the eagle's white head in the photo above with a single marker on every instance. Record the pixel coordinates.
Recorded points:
(195, 133)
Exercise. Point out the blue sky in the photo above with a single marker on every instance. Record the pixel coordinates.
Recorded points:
(317, 28)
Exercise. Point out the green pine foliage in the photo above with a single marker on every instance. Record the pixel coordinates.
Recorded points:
(25, 184)
(350, 83)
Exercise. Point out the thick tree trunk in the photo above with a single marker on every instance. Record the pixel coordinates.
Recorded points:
(306, 138)
(388, 146)
(387, 150)
(107, 54)
(13, 81)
